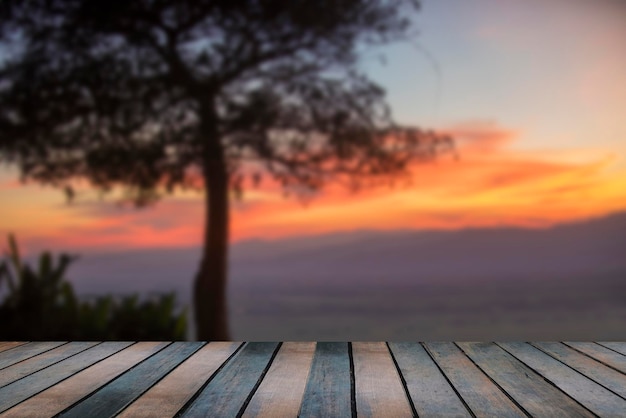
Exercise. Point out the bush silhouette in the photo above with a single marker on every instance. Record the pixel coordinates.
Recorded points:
(40, 304)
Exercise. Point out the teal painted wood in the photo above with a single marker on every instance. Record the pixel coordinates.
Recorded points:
(530, 390)
(41, 361)
(25, 351)
(594, 397)
(111, 399)
(593, 369)
(329, 388)
(34, 383)
(232, 387)
(483, 397)
(620, 347)
(430, 392)
(602, 354)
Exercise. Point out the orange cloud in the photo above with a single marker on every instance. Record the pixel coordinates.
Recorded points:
(490, 184)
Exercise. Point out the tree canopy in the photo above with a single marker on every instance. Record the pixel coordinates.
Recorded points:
(118, 92)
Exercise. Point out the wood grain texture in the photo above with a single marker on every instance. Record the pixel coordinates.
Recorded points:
(593, 396)
(7, 345)
(116, 395)
(535, 395)
(431, 393)
(281, 391)
(25, 351)
(16, 392)
(227, 393)
(620, 347)
(170, 394)
(602, 354)
(41, 361)
(328, 390)
(593, 369)
(482, 396)
(64, 394)
(378, 389)
(191, 379)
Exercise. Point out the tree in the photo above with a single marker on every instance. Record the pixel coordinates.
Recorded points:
(155, 95)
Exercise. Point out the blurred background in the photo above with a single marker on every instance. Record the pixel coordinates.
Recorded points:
(523, 236)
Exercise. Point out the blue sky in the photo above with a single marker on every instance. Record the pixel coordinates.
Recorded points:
(553, 69)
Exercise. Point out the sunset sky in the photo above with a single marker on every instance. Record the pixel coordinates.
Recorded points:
(533, 92)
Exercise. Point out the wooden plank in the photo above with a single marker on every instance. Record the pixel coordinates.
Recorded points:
(22, 389)
(602, 354)
(378, 389)
(482, 396)
(119, 393)
(596, 371)
(593, 396)
(281, 391)
(431, 393)
(43, 360)
(329, 387)
(25, 351)
(64, 394)
(169, 395)
(228, 391)
(535, 395)
(7, 345)
(620, 347)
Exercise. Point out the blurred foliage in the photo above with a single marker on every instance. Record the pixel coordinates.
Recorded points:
(39, 304)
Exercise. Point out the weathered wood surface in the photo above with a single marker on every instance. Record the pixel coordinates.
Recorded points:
(428, 387)
(22, 389)
(230, 389)
(25, 351)
(534, 395)
(282, 389)
(605, 355)
(10, 344)
(66, 393)
(119, 393)
(168, 396)
(329, 389)
(481, 395)
(41, 361)
(378, 387)
(615, 346)
(593, 369)
(590, 394)
(326, 379)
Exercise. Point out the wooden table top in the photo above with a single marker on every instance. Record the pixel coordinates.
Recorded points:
(308, 379)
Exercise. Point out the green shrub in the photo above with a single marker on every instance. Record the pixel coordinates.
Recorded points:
(40, 304)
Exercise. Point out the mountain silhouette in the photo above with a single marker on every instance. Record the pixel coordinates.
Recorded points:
(586, 247)
(563, 282)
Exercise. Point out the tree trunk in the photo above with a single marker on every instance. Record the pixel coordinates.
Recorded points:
(210, 307)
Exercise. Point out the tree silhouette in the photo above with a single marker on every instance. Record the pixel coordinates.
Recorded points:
(155, 95)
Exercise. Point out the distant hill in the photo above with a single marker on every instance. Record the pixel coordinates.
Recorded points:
(562, 283)
(567, 249)
(580, 248)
